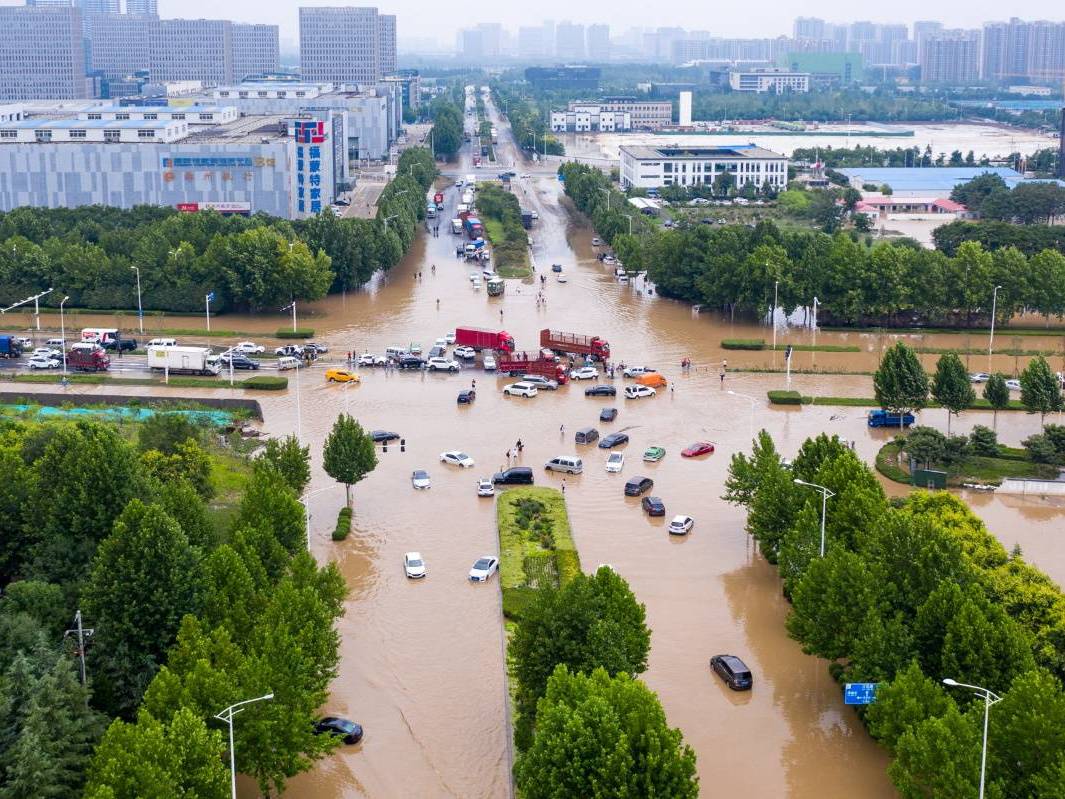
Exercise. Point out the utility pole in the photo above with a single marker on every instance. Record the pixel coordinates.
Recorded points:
(82, 633)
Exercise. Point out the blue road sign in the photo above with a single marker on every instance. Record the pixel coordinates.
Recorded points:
(859, 693)
(210, 297)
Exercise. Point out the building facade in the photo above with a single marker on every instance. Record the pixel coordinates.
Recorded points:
(569, 42)
(951, 57)
(118, 44)
(42, 55)
(589, 118)
(192, 49)
(598, 42)
(643, 114)
(147, 7)
(774, 81)
(254, 50)
(654, 167)
(346, 44)
(577, 78)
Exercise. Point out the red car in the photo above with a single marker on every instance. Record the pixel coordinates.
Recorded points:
(698, 448)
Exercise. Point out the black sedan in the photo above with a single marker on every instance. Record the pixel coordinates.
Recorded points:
(467, 396)
(238, 361)
(556, 267)
(613, 440)
(653, 506)
(601, 391)
(383, 436)
(608, 414)
(349, 731)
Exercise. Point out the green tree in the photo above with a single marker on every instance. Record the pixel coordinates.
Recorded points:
(1040, 389)
(165, 431)
(983, 441)
(926, 445)
(900, 382)
(603, 736)
(271, 506)
(909, 699)
(144, 579)
(291, 459)
(940, 757)
(188, 462)
(1027, 733)
(997, 394)
(349, 454)
(592, 621)
(951, 387)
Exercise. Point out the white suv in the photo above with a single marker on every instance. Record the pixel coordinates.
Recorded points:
(442, 365)
(522, 389)
(540, 382)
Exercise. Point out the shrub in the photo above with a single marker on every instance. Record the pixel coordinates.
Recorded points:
(539, 568)
(516, 601)
(568, 564)
(265, 383)
(785, 397)
(743, 344)
(343, 527)
(1041, 449)
(299, 332)
(983, 441)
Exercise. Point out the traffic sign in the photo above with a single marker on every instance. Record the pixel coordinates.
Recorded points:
(859, 693)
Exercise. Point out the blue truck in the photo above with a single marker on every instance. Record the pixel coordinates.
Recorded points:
(882, 418)
(10, 347)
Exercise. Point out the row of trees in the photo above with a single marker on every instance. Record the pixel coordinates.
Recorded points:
(830, 106)
(446, 111)
(909, 593)
(837, 157)
(1027, 203)
(1028, 239)
(253, 263)
(495, 203)
(736, 268)
(526, 118)
(191, 610)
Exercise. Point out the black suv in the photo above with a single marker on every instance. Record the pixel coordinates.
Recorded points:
(653, 506)
(411, 362)
(601, 391)
(638, 485)
(239, 361)
(733, 671)
(515, 476)
(121, 344)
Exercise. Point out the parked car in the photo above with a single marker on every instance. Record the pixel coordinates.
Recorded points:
(1013, 385)
(556, 267)
(600, 391)
(733, 671)
(514, 476)
(410, 362)
(484, 568)
(569, 464)
(437, 352)
(46, 352)
(443, 365)
(489, 363)
(286, 362)
(457, 458)
(348, 731)
(414, 566)
(294, 350)
(636, 392)
(637, 371)
(697, 449)
(654, 454)
(368, 359)
(450, 337)
(238, 360)
(613, 440)
(120, 344)
(586, 435)
(638, 485)
(337, 375)
(24, 342)
(43, 362)
(979, 377)
(249, 348)
(485, 487)
(467, 397)
(653, 506)
(440, 342)
(383, 436)
(522, 389)
(608, 414)
(681, 525)
(584, 373)
(466, 353)
(540, 382)
(615, 462)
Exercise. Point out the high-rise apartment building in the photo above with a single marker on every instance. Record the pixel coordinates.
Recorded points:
(1005, 50)
(808, 28)
(569, 41)
(118, 44)
(598, 41)
(254, 49)
(98, 6)
(42, 56)
(344, 44)
(192, 49)
(951, 57)
(386, 42)
(1046, 51)
(146, 7)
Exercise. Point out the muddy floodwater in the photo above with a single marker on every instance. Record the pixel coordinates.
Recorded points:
(422, 664)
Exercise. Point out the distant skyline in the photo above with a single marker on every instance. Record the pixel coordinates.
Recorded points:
(440, 22)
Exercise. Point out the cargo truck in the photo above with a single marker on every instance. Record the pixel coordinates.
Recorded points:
(474, 228)
(10, 347)
(526, 219)
(481, 339)
(456, 226)
(88, 357)
(589, 346)
(882, 418)
(184, 360)
(516, 366)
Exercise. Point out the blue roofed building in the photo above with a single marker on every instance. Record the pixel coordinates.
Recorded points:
(926, 181)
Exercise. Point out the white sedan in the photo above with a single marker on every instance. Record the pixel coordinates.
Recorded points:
(456, 458)
(637, 371)
(248, 348)
(489, 363)
(979, 377)
(368, 359)
(419, 478)
(468, 353)
(520, 390)
(615, 462)
(413, 565)
(584, 373)
(485, 488)
(636, 392)
(484, 568)
(1013, 385)
(42, 362)
(46, 352)
(681, 525)
(449, 338)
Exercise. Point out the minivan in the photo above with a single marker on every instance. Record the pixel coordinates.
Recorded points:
(733, 671)
(287, 362)
(162, 342)
(514, 476)
(570, 464)
(638, 485)
(586, 435)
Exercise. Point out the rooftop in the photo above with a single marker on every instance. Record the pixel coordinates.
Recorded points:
(643, 152)
(915, 179)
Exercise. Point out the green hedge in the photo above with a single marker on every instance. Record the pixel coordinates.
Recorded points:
(343, 526)
(516, 601)
(743, 344)
(785, 398)
(299, 332)
(568, 563)
(265, 383)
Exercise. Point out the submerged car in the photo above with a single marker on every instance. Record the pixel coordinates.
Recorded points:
(733, 671)
(654, 454)
(484, 568)
(457, 458)
(615, 462)
(466, 397)
(383, 436)
(485, 488)
(696, 449)
(637, 392)
(341, 376)
(613, 440)
(414, 566)
(653, 506)
(419, 478)
(348, 731)
(608, 414)
(584, 373)
(600, 391)
(681, 525)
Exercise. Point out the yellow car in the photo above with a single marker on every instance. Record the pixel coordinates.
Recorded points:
(341, 376)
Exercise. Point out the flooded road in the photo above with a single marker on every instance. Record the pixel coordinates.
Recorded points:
(423, 661)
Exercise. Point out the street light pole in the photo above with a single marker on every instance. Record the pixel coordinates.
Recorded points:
(752, 400)
(773, 318)
(825, 494)
(63, 335)
(991, 338)
(140, 308)
(607, 192)
(990, 698)
(227, 716)
(629, 217)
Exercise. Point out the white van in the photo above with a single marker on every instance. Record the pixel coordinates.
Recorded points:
(286, 362)
(570, 464)
(396, 352)
(162, 342)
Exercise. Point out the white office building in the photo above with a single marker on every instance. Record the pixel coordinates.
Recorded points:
(589, 118)
(775, 81)
(346, 44)
(654, 167)
(41, 53)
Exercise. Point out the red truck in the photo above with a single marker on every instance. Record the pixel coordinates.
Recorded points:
(557, 341)
(481, 339)
(516, 365)
(438, 199)
(88, 357)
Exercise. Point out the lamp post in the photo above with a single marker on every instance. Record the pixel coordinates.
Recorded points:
(773, 318)
(291, 307)
(753, 401)
(227, 716)
(991, 338)
(63, 336)
(990, 698)
(207, 304)
(607, 192)
(140, 308)
(629, 217)
(307, 511)
(299, 410)
(825, 494)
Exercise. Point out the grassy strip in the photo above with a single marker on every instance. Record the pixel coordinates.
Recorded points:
(888, 465)
(264, 383)
(789, 398)
(978, 351)
(152, 332)
(954, 331)
(512, 260)
(971, 469)
(343, 525)
(759, 344)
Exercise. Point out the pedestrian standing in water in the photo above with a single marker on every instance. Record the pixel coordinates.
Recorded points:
(562, 429)
(519, 446)
(563, 486)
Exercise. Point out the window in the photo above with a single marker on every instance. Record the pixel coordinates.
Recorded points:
(8, 134)
(145, 134)
(151, 116)
(112, 135)
(121, 117)
(177, 116)
(77, 134)
(96, 116)
(43, 135)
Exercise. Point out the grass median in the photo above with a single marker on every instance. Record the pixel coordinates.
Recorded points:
(260, 383)
(970, 469)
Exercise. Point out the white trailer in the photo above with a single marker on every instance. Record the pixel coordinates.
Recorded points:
(184, 360)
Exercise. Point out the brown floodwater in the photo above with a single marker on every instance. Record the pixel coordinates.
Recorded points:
(422, 663)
